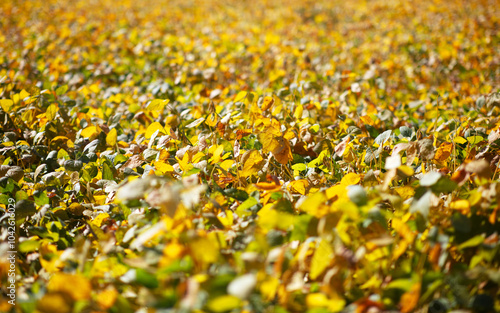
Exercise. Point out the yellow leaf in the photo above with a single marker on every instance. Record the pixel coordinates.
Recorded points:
(373, 282)
(59, 138)
(251, 163)
(269, 141)
(53, 303)
(197, 157)
(157, 105)
(23, 94)
(75, 286)
(460, 140)
(336, 305)
(405, 192)
(22, 143)
(216, 156)
(350, 179)
(267, 103)
(163, 167)
(336, 192)
(409, 299)
(99, 219)
(173, 250)
(111, 137)
(212, 120)
(317, 300)
(444, 151)
(226, 218)
(403, 230)
(156, 126)
(51, 111)
(224, 303)
(315, 205)
(460, 205)
(90, 131)
(269, 287)
(240, 96)
(95, 88)
(100, 199)
(321, 259)
(227, 164)
(204, 250)
(6, 104)
(184, 163)
(298, 112)
(289, 134)
(107, 298)
(367, 120)
(270, 218)
(406, 170)
(299, 186)
(16, 98)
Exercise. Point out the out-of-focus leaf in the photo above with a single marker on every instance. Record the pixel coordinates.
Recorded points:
(422, 205)
(242, 286)
(224, 303)
(382, 138)
(321, 259)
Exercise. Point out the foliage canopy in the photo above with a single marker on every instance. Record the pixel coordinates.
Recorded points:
(262, 156)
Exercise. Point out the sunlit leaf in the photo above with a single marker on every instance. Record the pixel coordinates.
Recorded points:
(322, 258)
(6, 104)
(350, 179)
(90, 131)
(111, 137)
(251, 162)
(154, 127)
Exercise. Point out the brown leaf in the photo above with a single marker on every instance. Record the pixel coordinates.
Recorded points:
(400, 147)
(480, 168)
(340, 148)
(426, 149)
(411, 153)
(133, 162)
(236, 149)
(443, 152)
(493, 136)
(283, 152)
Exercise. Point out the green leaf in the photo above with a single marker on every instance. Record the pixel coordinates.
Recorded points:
(238, 194)
(42, 199)
(28, 246)
(146, 279)
(107, 173)
(403, 284)
(62, 90)
(247, 204)
(473, 140)
(473, 242)
(406, 131)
